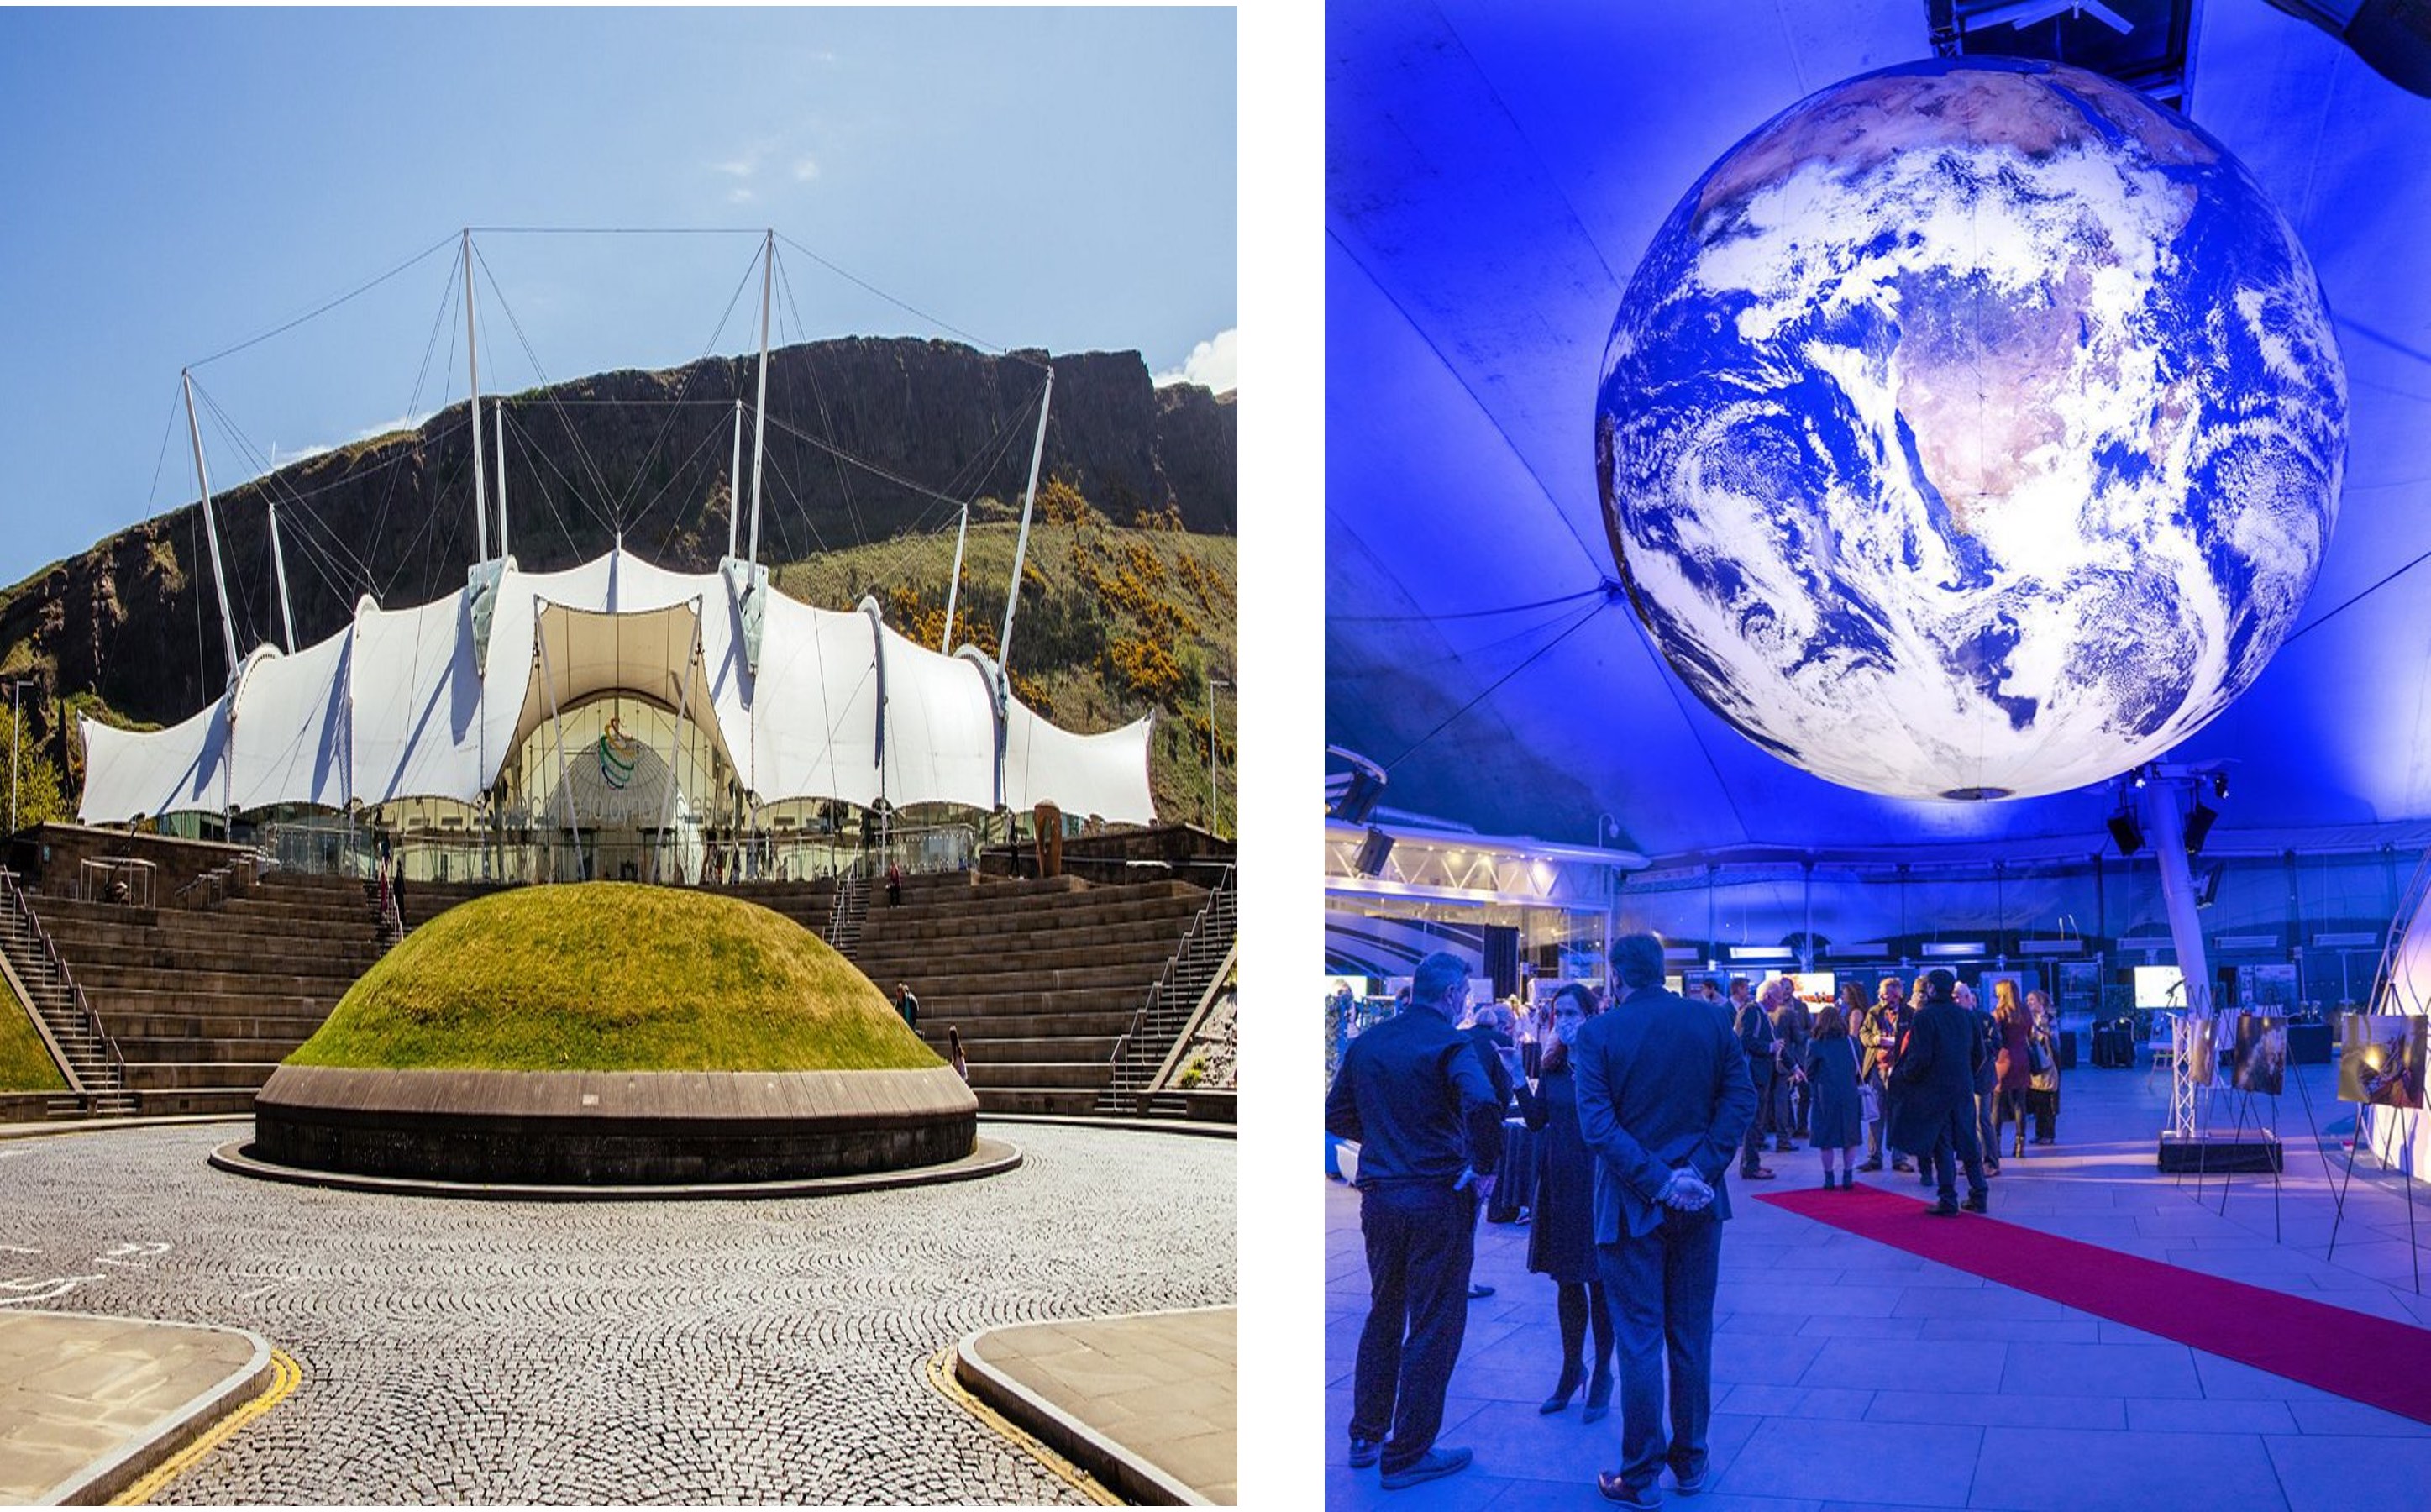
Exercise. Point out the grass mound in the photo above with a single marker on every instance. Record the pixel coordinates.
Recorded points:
(614, 976)
(24, 1063)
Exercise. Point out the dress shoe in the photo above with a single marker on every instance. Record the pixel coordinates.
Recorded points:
(1977, 1202)
(1431, 1466)
(1621, 1492)
(1902, 1164)
(1566, 1388)
(1477, 1291)
(1759, 1173)
(1945, 1208)
(1691, 1484)
(1364, 1451)
(1875, 1163)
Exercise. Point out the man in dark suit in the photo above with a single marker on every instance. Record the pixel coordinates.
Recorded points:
(1665, 1097)
(1413, 1092)
(1762, 1048)
(1935, 1111)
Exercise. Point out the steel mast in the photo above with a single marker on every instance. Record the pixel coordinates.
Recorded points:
(210, 524)
(759, 428)
(1021, 543)
(473, 361)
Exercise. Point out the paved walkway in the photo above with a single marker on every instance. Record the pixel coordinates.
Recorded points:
(1849, 1376)
(89, 1404)
(1146, 1403)
(455, 1350)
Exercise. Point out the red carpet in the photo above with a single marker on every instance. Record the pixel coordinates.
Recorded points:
(2347, 1353)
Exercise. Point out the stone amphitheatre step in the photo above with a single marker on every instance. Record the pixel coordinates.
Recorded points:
(203, 1007)
(169, 1076)
(1165, 929)
(882, 964)
(332, 963)
(976, 1027)
(1052, 1075)
(958, 979)
(130, 1028)
(1071, 1049)
(175, 978)
(1061, 1103)
(247, 915)
(213, 929)
(179, 1049)
(1111, 904)
(192, 1102)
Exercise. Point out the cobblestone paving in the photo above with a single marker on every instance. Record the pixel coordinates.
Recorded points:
(644, 1352)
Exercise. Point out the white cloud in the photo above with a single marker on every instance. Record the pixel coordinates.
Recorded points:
(285, 456)
(740, 196)
(1212, 363)
(806, 169)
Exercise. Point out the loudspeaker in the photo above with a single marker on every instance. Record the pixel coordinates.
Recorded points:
(1373, 852)
(2125, 829)
(1360, 798)
(2199, 825)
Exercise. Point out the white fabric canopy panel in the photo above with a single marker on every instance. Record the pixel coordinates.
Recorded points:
(1078, 774)
(818, 685)
(289, 733)
(408, 704)
(130, 776)
(940, 726)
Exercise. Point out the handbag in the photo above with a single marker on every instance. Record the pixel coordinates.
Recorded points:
(1870, 1102)
(2037, 1058)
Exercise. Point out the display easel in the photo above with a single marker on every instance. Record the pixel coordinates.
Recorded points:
(2340, 1202)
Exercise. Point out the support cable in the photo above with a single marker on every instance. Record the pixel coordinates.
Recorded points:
(1575, 626)
(325, 309)
(855, 278)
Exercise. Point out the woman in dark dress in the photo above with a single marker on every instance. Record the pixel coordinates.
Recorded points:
(1560, 1242)
(1837, 1120)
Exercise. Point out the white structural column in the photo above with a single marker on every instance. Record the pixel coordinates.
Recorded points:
(473, 360)
(2165, 827)
(498, 423)
(734, 484)
(954, 584)
(278, 569)
(1021, 542)
(210, 524)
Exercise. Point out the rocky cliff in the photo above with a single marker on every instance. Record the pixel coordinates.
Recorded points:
(867, 439)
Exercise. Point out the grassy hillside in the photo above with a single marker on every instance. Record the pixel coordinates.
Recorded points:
(24, 1063)
(1116, 622)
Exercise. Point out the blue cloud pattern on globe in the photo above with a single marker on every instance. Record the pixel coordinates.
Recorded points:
(1973, 428)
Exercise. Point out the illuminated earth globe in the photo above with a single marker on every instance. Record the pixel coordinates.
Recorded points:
(1973, 429)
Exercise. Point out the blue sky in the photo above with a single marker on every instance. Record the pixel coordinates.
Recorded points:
(180, 181)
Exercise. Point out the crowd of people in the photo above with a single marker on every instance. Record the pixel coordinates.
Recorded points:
(1642, 1101)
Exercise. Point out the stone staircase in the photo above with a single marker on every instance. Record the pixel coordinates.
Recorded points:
(203, 1003)
(1043, 978)
(1140, 1058)
(851, 910)
(82, 1041)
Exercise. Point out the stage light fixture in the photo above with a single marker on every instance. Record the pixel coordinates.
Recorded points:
(2220, 784)
(2125, 829)
(2199, 822)
(2137, 776)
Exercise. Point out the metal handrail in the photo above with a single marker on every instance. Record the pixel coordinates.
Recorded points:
(1183, 954)
(117, 1060)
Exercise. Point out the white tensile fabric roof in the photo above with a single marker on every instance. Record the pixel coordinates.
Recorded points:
(405, 704)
